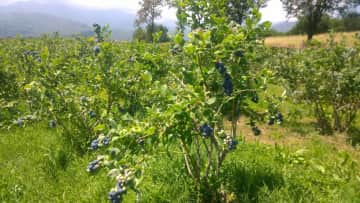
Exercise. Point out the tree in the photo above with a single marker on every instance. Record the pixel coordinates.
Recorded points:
(139, 34)
(312, 11)
(324, 25)
(351, 21)
(149, 11)
(147, 33)
(238, 10)
(200, 14)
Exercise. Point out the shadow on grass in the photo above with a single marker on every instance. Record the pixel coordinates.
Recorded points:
(354, 136)
(247, 181)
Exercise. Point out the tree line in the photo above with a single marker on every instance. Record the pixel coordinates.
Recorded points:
(313, 16)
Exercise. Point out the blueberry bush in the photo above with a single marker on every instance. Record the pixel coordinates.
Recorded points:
(122, 105)
(325, 76)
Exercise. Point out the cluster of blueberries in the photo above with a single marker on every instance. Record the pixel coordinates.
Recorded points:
(95, 143)
(206, 130)
(21, 120)
(227, 84)
(279, 118)
(231, 143)
(93, 166)
(115, 195)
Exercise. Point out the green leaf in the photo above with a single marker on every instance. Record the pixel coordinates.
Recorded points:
(211, 101)
(100, 127)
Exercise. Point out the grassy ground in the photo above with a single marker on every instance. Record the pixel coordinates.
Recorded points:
(298, 41)
(35, 168)
(280, 166)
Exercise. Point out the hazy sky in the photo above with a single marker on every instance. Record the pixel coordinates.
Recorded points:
(273, 12)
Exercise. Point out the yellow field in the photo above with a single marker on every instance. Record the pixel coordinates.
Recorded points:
(298, 41)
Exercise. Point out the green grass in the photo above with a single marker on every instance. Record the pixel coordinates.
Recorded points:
(36, 167)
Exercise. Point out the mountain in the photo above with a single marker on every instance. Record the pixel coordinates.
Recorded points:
(284, 26)
(121, 21)
(36, 24)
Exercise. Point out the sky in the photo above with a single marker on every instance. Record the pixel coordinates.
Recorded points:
(273, 12)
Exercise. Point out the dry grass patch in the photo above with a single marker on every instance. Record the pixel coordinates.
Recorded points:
(299, 41)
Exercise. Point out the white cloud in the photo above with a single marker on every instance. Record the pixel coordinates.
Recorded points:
(273, 12)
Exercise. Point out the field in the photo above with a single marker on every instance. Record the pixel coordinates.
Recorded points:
(217, 118)
(299, 41)
(299, 168)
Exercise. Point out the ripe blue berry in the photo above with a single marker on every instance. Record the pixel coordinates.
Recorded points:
(239, 53)
(231, 144)
(94, 144)
(255, 98)
(96, 50)
(115, 197)
(141, 141)
(279, 117)
(106, 141)
(228, 85)
(256, 130)
(220, 67)
(120, 187)
(93, 166)
(206, 131)
(271, 121)
(92, 114)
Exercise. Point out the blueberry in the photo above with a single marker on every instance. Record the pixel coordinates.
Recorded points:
(271, 121)
(94, 144)
(228, 85)
(96, 50)
(231, 144)
(255, 98)
(227, 76)
(92, 114)
(256, 131)
(175, 50)
(93, 166)
(120, 187)
(279, 117)
(52, 124)
(220, 67)
(106, 141)
(239, 53)
(113, 152)
(141, 141)
(206, 131)
(115, 197)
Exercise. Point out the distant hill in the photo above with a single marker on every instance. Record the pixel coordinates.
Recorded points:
(283, 26)
(36, 24)
(23, 17)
